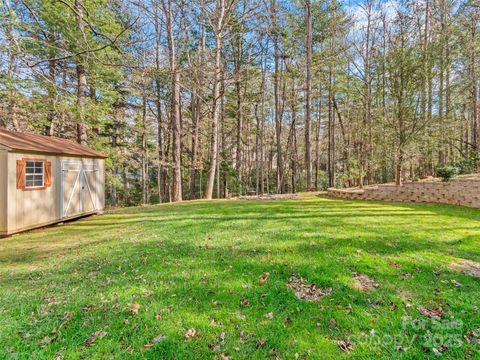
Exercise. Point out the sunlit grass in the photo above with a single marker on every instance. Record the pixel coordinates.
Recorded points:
(190, 266)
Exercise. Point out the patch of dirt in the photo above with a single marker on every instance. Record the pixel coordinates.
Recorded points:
(363, 283)
(268, 197)
(467, 267)
(306, 291)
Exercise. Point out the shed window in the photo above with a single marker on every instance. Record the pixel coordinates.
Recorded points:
(34, 174)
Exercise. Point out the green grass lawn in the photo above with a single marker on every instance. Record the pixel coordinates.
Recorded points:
(183, 281)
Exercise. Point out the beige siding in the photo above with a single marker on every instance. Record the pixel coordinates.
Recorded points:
(101, 186)
(3, 192)
(28, 209)
(35, 207)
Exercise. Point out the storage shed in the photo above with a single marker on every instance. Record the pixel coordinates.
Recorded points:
(44, 180)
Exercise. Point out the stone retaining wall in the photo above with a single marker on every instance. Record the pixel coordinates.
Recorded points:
(464, 192)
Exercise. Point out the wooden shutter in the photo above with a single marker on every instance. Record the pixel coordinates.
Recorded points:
(48, 173)
(20, 174)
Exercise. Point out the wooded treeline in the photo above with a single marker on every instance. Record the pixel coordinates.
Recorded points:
(212, 98)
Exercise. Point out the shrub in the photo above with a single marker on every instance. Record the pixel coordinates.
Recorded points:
(469, 164)
(447, 172)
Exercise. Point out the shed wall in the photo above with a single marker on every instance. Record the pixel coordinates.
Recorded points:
(3, 191)
(34, 208)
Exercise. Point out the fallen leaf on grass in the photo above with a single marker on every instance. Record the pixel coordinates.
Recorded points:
(393, 264)
(269, 315)
(243, 337)
(438, 352)
(244, 302)
(88, 308)
(45, 309)
(431, 313)
(305, 291)
(135, 308)
(67, 316)
(191, 333)
(51, 300)
(261, 342)
(456, 283)
(222, 356)
(159, 314)
(45, 340)
(264, 277)
(275, 355)
(221, 337)
(467, 267)
(473, 336)
(344, 345)
(154, 341)
(158, 338)
(406, 275)
(96, 335)
(363, 283)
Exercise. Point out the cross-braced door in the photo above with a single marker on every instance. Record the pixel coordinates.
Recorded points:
(79, 188)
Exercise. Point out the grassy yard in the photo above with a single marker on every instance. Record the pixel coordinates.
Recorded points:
(190, 281)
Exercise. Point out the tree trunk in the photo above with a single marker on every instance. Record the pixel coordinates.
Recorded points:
(51, 115)
(82, 136)
(177, 147)
(144, 152)
(399, 166)
(317, 140)
(196, 109)
(216, 105)
(176, 120)
(278, 118)
(196, 115)
(257, 150)
(237, 44)
(308, 94)
(474, 90)
(331, 132)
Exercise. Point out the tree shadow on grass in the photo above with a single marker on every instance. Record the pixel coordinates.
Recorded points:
(311, 219)
(231, 244)
(174, 271)
(438, 209)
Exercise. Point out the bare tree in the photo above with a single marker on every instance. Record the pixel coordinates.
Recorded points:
(82, 136)
(308, 93)
(218, 19)
(175, 100)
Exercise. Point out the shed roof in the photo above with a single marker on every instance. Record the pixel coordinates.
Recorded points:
(44, 144)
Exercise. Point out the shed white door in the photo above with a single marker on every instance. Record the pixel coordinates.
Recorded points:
(79, 188)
